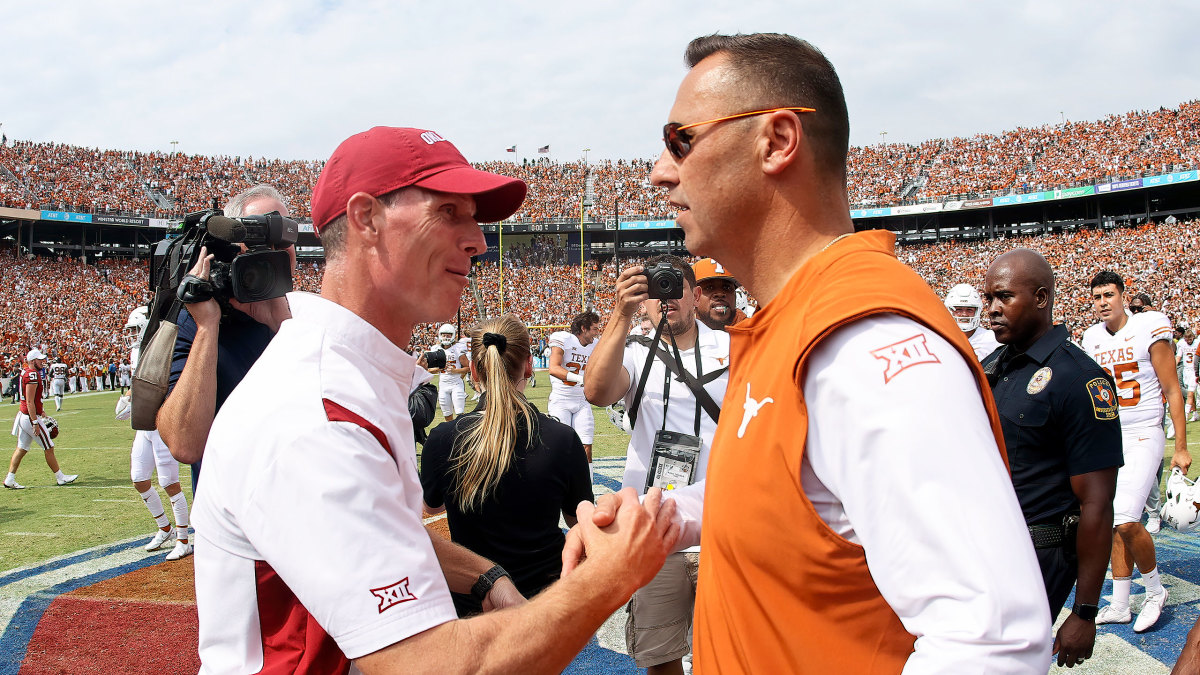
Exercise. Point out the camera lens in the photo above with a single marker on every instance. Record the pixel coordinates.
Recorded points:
(252, 278)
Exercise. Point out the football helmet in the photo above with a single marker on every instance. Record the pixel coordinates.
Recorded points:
(965, 295)
(51, 425)
(1181, 506)
(136, 326)
(446, 334)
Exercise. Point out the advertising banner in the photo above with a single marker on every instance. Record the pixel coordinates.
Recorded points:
(648, 225)
(63, 216)
(1121, 185)
(1068, 193)
(928, 207)
(977, 203)
(1169, 179)
(105, 219)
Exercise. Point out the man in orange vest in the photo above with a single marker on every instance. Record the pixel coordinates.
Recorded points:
(858, 515)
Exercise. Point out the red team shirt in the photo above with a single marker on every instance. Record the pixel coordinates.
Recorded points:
(30, 376)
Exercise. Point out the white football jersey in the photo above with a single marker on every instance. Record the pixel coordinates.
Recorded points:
(452, 353)
(1186, 353)
(58, 371)
(575, 358)
(984, 342)
(1126, 356)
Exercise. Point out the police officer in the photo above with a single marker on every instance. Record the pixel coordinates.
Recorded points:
(1058, 411)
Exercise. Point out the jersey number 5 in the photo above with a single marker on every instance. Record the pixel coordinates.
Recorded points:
(1133, 386)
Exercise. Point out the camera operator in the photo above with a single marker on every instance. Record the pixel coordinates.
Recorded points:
(672, 431)
(217, 346)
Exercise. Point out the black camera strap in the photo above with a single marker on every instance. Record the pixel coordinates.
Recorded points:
(674, 365)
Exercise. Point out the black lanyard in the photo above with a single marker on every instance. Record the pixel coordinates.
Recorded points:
(667, 375)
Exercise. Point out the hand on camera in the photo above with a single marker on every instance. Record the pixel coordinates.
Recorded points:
(632, 289)
(206, 314)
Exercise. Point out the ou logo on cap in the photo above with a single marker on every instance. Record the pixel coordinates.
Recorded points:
(431, 137)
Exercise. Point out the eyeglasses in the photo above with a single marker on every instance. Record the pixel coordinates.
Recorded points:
(679, 144)
(1136, 309)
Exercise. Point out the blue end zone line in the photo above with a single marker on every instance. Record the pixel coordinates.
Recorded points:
(15, 640)
(19, 575)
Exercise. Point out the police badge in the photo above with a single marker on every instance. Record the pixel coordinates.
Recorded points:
(1039, 381)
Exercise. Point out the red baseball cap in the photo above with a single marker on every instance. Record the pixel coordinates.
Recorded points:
(384, 159)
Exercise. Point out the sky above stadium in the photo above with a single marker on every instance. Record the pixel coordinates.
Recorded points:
(292, 79)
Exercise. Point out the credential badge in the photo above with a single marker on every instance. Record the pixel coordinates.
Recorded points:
(1039, 381)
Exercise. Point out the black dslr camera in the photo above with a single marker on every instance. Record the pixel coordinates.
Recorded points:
(260, 273)
(665, 282)
(436, 359)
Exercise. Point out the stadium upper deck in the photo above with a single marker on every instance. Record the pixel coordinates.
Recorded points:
(57, 177)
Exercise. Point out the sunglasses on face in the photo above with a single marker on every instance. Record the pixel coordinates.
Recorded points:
(1136, 309)
(679, 142)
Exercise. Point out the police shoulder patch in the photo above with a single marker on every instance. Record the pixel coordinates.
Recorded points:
(1104, 401)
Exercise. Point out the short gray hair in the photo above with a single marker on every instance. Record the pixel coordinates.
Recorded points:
(236, 208)
(333, 234)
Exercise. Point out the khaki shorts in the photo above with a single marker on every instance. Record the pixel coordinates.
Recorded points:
(659, 622)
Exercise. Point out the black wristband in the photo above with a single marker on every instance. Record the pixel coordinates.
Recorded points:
(484, 584)
(1085, 612)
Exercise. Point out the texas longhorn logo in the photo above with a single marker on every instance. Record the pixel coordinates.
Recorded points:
(390, 596)
(904, 354)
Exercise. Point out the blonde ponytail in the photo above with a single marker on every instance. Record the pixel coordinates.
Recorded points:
(484, 452)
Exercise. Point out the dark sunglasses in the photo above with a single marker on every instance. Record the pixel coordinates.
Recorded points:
(679, 143)
(1137, 309)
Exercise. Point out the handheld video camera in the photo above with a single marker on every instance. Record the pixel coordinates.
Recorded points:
(664, 281)
(260, 273)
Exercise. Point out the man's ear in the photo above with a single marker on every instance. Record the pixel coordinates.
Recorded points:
(781, 141)
(364, 215)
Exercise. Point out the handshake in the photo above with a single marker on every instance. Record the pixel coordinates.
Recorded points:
(623, 538)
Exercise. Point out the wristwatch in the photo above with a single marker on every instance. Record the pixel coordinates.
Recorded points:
(1085, 611)
(489, 578)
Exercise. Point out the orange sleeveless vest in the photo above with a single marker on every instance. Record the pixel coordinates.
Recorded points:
(779, 591)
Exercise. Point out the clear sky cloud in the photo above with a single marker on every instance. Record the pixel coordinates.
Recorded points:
(292, 79)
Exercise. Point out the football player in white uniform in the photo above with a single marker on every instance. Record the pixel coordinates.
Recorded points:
(1185, 357)
(452, 391)
(1136, 350)
(58, 383)
(966, 305)
(150, 453)
(569, 352)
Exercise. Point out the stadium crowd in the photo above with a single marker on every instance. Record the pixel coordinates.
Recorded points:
(77, 310)
(1152, 259)
(72, 310)
(55, 176)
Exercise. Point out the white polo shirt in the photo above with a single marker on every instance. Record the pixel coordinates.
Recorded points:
(681, 413)
(309, 544)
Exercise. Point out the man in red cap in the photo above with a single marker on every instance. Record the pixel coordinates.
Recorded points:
(716, 306)
(310, 550)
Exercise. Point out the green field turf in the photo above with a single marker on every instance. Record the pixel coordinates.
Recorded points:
(46, 520)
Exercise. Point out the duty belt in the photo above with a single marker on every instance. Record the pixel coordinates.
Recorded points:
(1047, 535)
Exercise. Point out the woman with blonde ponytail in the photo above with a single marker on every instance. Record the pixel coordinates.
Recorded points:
(505, 472)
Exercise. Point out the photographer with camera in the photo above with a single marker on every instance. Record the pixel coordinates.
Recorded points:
(673, 396)
(216, 345)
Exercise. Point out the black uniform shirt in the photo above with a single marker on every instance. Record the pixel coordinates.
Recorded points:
(517, 526)
(1058, 411)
